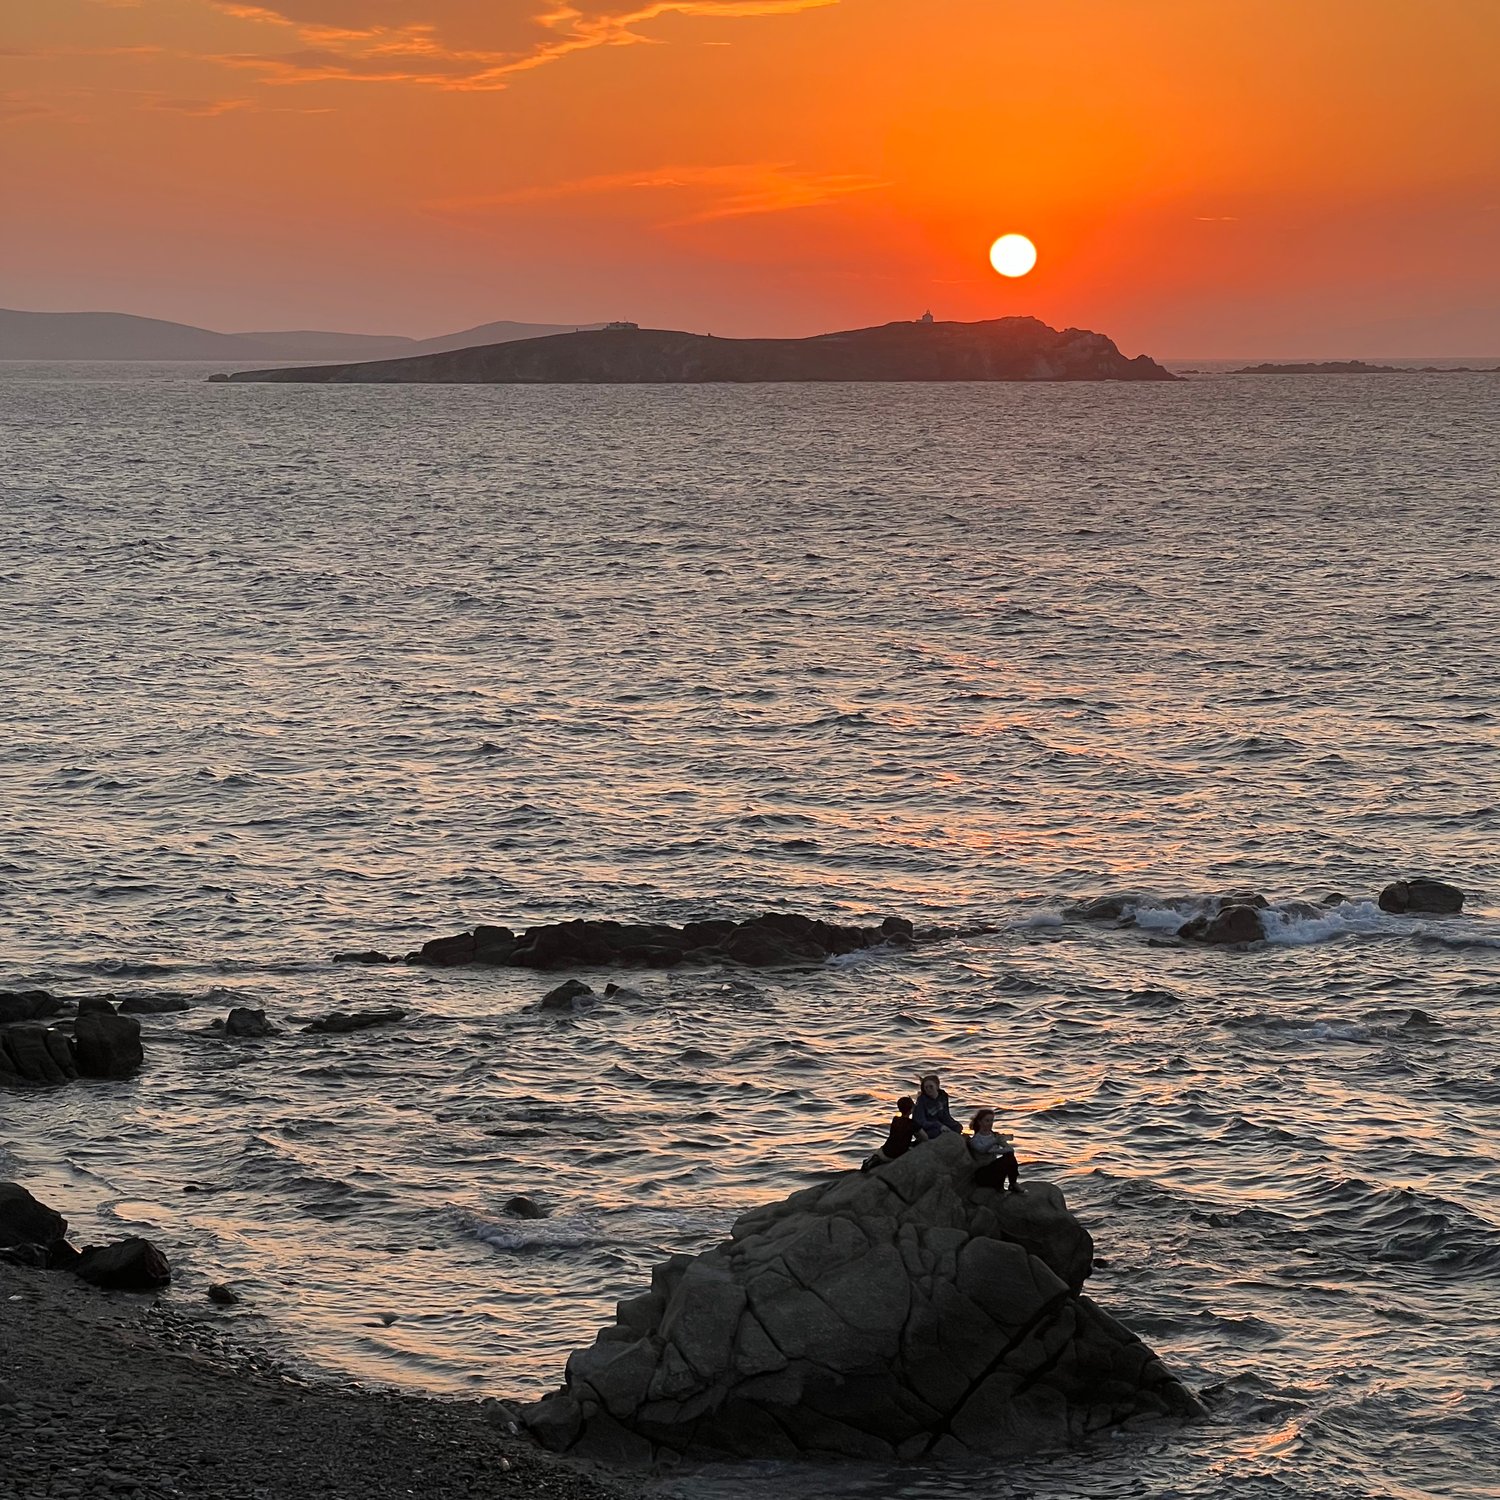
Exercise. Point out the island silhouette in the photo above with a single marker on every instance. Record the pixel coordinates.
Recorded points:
(1014, 348)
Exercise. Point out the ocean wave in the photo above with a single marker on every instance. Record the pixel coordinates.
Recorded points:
(1289, 923)
(1384, 1224)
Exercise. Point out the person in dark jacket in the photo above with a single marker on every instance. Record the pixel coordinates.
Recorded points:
(899, 1139)
(932, 1116)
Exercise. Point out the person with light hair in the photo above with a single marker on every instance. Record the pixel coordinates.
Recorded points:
(997, 1153)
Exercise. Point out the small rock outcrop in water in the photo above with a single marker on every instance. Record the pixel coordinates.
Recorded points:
(106, 1045)
(565, 994)
(27, 1005)
(995, 349)
(884, 1315)
(152, 1005)
(340, 1021)
(1421, 894)
(777, 938)
(33, 1054)
(1239, 922)
(243, 1021)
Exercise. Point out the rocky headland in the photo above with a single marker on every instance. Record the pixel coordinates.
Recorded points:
(997, 349)
(895, 1314)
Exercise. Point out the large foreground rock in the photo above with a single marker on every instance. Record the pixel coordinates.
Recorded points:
(885, 1315)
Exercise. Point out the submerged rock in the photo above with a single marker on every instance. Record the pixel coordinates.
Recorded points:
(152, 1005)
(522, 1207)
(774, 939)
(886, 1315)
(359, 1020)
(1421, 894)
(565, 994)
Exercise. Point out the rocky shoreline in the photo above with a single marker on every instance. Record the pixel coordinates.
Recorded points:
(107, 1394)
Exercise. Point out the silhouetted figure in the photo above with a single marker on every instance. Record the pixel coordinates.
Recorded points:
(900, 1137)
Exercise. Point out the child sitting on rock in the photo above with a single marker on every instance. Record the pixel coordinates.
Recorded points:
(899, 1140)
(998, 1152)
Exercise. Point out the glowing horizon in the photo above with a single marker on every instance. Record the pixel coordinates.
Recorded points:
(1254, 180)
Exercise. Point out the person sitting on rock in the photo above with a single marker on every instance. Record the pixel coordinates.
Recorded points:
(899, 1140)
(998, 1153)
(932, 1116)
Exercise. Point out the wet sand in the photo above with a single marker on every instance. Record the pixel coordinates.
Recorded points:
(110, 1394)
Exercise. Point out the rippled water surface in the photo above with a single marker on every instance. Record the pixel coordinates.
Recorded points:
(288, 671)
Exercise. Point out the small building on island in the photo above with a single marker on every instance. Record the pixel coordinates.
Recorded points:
(621, 325)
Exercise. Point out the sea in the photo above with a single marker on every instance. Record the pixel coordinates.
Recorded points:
(288, 671)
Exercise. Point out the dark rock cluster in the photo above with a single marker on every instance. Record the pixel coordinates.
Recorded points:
(769, 941)
(102, 1043)
(1239, 918)
(31, 1234)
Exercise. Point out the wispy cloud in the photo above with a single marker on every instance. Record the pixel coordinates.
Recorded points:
(455, 44)
(690, 195)
(15, 104)
(202, 109)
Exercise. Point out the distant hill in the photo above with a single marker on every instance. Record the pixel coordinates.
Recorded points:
(495, 333)
(105, 336)
(999, 349)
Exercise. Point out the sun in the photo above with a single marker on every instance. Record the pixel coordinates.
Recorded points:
(1012, 255)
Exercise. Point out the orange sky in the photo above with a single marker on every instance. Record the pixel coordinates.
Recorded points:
(1202, 177)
